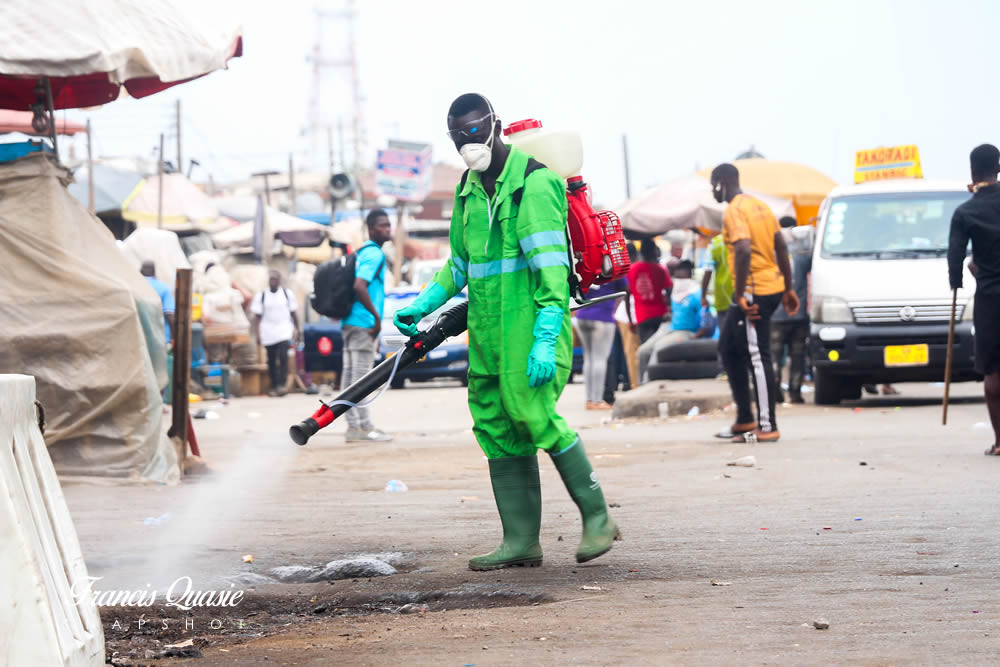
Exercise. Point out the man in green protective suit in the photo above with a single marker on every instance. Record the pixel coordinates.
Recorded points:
(508, 245)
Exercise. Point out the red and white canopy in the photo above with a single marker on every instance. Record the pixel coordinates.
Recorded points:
(88, 50)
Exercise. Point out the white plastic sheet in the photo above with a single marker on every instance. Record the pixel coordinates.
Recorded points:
(159, 246)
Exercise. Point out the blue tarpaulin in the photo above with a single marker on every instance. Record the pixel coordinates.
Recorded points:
(13, 151)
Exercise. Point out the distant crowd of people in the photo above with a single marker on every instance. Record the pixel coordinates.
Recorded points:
(751, 299)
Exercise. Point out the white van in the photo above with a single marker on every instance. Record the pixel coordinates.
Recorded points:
(879, 299)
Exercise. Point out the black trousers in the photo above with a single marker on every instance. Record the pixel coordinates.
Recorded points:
(277, 364)
(792, 333)
(747, 354)
(617, 375)
(648, 328)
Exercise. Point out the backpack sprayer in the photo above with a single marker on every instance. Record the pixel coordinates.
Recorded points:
(597, 255)
(597, 251)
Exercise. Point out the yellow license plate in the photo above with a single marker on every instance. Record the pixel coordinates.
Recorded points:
(907, 355)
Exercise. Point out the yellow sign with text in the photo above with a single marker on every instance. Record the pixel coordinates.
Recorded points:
(880, 164)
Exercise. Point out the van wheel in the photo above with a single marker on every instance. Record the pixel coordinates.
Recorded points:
(828, 388)
(850, 391)
(397, 383)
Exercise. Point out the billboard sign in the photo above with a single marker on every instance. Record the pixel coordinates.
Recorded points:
(884, 163)
(404, 171)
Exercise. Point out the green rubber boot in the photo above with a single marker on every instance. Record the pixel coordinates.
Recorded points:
(518, 493)
(599, 531)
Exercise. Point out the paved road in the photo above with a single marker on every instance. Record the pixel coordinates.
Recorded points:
(906, 572)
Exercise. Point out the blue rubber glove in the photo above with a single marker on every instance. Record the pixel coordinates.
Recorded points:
(432, 298)
(542, 360)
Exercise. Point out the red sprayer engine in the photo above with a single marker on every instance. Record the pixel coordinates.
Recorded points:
(596, 241)
(597, 244)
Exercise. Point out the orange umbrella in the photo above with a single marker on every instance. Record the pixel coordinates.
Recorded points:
(804, 186)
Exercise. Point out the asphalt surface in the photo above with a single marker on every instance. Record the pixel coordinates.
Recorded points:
(870, 516)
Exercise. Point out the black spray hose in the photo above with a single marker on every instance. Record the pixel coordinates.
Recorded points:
(451, 323)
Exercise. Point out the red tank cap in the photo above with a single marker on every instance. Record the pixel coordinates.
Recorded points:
(521, 126)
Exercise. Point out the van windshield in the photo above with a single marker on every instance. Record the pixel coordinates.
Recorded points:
(911, 224)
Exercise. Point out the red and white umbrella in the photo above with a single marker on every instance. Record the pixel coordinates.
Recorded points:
(86, 51)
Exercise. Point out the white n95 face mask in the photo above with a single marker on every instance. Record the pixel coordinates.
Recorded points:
(477, 157)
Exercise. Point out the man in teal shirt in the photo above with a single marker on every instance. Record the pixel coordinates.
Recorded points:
(362, 326)
(166, 298)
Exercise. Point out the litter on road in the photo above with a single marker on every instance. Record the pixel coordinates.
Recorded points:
(744, 462)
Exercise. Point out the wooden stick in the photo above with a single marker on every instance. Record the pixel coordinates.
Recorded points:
(948, 356)
(182, 360)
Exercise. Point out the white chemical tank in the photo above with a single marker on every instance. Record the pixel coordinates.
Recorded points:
(559, 150)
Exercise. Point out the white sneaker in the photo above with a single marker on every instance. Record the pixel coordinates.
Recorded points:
(359, 435)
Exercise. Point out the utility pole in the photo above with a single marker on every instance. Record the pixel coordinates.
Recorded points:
(628, 179)
(267, 183)
(159, 187)
(340, 143)
(91, 206)
(329, 144)
(291, 184)
(180, 161)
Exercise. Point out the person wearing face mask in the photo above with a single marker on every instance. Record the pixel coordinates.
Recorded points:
(762, 280)
(509, 247)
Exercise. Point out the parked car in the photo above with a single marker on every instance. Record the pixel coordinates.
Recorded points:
(423, 271)
(323, 346)
(448, 360)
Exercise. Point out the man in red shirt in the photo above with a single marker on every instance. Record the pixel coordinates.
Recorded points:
(649, 284)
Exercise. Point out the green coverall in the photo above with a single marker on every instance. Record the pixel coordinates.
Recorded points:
(514, 268)
(515, 263)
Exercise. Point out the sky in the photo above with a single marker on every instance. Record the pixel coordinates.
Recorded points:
(690, 84)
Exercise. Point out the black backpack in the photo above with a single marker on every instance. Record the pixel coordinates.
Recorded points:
(333, 285)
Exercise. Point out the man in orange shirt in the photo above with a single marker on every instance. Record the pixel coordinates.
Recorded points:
(762, 280)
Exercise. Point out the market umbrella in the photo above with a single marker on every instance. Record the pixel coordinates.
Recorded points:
(88, 50)
(804, 186)
(66, 55)
(289, 229)
(185, 207)
(112, 187)
(683, 204)
(237, 207)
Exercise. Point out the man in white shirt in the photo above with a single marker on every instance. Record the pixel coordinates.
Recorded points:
(277, 326)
